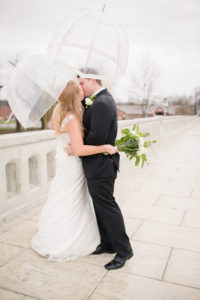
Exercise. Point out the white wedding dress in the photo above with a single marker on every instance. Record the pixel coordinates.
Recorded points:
(67, 227)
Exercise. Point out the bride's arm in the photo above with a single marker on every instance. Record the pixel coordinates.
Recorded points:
(77, 146)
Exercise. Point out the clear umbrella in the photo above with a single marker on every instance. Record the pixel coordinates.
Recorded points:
(34, 87)
(85, 40)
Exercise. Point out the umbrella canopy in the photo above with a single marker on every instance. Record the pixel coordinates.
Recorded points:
(85, 40)
(91, 40)
(34, 87)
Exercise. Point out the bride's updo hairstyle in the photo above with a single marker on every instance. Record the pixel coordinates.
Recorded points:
(69, 101)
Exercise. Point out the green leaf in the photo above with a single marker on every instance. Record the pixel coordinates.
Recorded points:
(92, 98)
(140, 134)
(144, 157)
(125, 131)
(137, 161)
(142, 163)
(134, 127)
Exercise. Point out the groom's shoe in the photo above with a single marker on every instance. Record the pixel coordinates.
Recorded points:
(118, 261)
(100, 249)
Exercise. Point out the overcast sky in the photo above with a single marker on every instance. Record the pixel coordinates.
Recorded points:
(166, 30)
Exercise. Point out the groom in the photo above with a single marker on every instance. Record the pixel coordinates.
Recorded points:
(100, 124)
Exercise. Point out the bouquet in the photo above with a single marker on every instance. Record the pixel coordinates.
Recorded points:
(134, 144)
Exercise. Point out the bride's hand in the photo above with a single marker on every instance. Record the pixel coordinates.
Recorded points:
(69, 150)
(111, 149)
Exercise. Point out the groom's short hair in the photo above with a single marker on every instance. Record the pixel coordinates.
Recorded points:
(90, 71)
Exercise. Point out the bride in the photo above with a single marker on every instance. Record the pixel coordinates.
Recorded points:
(67, 227)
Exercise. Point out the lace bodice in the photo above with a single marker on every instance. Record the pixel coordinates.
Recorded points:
(64, 138)
(66, 120)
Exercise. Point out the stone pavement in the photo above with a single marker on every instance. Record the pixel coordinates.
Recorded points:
(161, 207)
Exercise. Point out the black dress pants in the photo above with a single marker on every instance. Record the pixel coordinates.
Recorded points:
(109, 217)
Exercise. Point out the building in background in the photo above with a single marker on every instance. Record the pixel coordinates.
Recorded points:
(132, 111)
(5, 110)
(160, 111)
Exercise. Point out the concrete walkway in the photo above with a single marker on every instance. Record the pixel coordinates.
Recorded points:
(161, 207)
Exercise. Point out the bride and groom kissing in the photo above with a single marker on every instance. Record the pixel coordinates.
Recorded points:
(80, 215)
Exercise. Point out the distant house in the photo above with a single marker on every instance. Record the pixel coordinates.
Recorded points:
(132, 111)
(2, 92)
(5, 110)
(160, 111)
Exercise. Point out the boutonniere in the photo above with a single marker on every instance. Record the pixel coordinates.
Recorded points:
(89, 101)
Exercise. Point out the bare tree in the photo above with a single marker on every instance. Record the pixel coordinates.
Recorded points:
(185, 108)
(182, 104)
(143, 81)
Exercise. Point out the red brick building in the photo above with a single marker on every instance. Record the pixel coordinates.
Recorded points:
(132, 111)
(5, 110)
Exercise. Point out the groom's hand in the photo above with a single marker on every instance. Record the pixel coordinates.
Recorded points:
(69, 151)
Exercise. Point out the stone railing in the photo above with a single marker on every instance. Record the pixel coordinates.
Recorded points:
(160, 127)
(27, 166)
(27, 162)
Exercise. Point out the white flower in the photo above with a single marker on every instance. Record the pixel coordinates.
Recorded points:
(88, 101)
(142, 150)
(141, 141)
(134, 132)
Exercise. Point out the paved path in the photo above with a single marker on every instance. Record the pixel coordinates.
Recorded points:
(161, 206)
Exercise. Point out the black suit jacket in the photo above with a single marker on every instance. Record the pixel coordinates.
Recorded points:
(100, 124)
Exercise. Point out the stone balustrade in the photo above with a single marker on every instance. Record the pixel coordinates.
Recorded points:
(27, 161)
